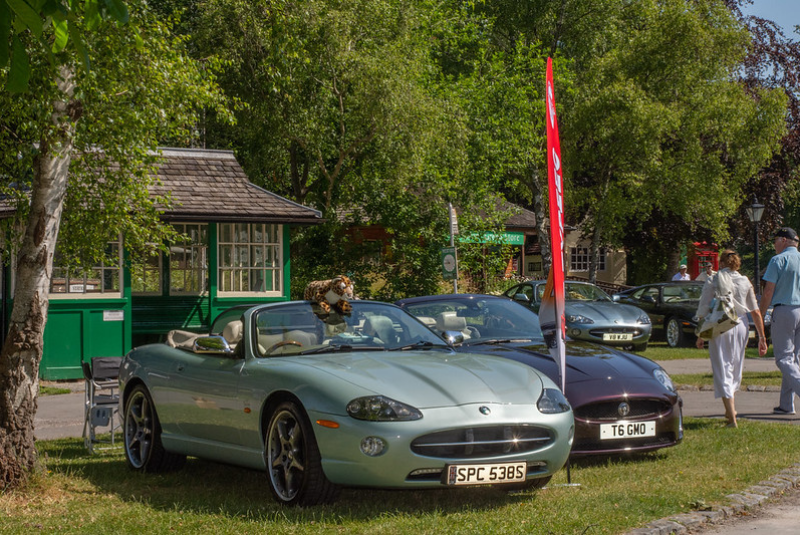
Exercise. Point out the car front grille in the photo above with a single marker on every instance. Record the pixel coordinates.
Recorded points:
(476, 442)
(616, 330)
(609, 411)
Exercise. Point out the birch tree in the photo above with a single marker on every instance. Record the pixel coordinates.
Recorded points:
(82, 127)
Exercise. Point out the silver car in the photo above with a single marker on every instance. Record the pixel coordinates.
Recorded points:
(320, 400)
(591, 314)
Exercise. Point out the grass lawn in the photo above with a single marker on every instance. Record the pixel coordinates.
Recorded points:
(79, 493)
(661, 351)
(748, 379)
(52, 390)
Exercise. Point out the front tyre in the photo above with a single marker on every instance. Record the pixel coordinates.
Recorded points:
(294, 464)
(674, 333)
(142, 435)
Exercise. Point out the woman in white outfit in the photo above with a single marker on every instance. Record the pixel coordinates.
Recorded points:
(727, 349)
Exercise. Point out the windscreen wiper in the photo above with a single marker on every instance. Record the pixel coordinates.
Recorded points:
(420, 345)
(338, 348)
(495, 341)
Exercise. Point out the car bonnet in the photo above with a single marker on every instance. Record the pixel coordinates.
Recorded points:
(429, 379)
(590, 367)
(608, 311)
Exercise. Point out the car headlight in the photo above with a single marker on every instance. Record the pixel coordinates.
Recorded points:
(644, 318)
(662, 377)
(552, 402)
(578, 318)
(381, 409)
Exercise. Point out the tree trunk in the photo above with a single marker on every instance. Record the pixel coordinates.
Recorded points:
(22, 351)
(594, 256)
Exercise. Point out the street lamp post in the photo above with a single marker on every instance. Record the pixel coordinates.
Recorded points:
(754, 212)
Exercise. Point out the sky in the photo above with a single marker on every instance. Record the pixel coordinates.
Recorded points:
(784, 12)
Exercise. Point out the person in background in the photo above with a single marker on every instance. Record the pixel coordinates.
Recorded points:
(782, 291)
(706, 274)
(682, 274)
(727, 350)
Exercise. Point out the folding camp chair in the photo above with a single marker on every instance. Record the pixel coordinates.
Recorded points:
(101, 398)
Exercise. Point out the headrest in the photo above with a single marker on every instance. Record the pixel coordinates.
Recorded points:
(377, 324)
(233, 332)
(448, 321)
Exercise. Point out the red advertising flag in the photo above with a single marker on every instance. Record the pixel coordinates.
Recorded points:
(551, 312)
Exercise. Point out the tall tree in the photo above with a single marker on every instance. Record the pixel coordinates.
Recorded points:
(664, 123)
(773, 62)
(81, 142)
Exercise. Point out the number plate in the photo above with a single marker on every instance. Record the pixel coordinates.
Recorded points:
(627, 430)
(617, 337)
(485, 474)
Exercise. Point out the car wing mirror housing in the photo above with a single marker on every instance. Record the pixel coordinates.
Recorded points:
(453, 337)
(522, 298)
(212, 345)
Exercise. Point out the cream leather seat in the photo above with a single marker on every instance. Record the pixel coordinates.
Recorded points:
(381, 328)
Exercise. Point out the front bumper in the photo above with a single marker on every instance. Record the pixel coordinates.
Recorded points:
(399, 467)
(593, 332)
(668, 418)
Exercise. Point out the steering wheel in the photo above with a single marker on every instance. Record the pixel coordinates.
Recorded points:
(473, 332)
(281, 344)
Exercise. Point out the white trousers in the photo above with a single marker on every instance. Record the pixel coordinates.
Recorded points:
(727, 359)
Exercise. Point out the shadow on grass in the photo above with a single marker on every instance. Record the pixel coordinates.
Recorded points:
(208, 487)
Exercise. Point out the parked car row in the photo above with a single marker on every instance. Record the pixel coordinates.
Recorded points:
(433, 392)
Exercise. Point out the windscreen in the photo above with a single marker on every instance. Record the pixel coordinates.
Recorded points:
(478, 319)
(298, 328)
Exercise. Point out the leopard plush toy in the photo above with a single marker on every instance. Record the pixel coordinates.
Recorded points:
(334, 293)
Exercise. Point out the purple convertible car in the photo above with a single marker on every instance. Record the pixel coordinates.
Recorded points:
(621, 402)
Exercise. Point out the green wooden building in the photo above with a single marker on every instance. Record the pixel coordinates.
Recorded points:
(237, 252)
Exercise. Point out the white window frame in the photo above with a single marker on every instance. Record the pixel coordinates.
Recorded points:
(160, 272)
(103, 268)
(235, 251)
(202, 249)
(580, 258)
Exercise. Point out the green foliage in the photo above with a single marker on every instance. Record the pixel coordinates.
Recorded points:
(51, 27)
(142, 89)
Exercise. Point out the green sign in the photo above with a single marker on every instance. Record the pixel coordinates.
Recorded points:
(449, 263)
(507, 238)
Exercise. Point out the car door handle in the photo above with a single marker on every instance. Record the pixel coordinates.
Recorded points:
(180, 367)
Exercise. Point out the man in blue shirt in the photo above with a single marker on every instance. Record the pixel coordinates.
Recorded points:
(782, 291)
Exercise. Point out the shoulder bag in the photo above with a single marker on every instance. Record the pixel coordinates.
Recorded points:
(723, 315)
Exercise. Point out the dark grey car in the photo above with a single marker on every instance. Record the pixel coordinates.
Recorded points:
(591, 314)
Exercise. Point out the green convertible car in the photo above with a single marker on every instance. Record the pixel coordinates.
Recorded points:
(319, 401)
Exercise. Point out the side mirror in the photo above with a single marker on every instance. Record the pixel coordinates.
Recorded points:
(212, 345)
(649, 299)
(453, 337)
(615, 298)
(522, 298)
